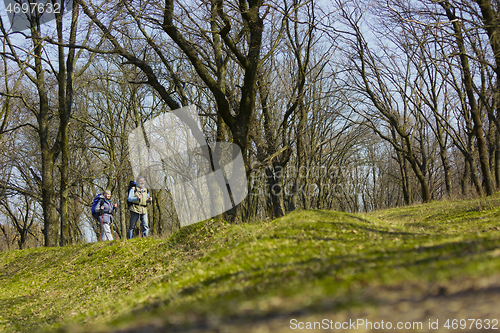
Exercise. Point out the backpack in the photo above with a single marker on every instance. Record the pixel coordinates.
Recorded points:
(95, 204)
(131, 185)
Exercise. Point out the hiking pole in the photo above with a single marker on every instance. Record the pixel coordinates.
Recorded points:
(116, 227)
(102, 230)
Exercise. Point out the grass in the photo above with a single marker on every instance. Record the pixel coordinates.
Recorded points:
(212, 272)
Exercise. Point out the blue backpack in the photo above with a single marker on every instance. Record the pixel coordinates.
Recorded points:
(95, 204)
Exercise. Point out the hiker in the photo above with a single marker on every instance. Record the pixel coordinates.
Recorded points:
(105, 211)
(138, 197)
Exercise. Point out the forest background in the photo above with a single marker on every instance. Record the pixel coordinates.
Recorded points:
(342, 105)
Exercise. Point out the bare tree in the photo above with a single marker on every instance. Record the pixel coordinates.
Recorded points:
(23, 219)
(475, 111)
(32, 60)
(395, 119)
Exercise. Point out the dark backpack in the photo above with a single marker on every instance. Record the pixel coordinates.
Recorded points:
(131, 185)
(95, 205)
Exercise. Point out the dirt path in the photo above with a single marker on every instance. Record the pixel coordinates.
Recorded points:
(424, 308)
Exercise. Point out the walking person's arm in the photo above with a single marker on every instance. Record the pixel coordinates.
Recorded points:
(132, 197)
(100, 206)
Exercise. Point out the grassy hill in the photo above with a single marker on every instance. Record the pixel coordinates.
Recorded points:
(436, 261)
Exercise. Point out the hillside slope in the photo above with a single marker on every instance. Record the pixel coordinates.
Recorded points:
(414, 264)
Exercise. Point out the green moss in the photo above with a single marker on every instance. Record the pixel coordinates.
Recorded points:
(305, 261)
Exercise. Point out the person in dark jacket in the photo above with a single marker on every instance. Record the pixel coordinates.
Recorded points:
(105, 211)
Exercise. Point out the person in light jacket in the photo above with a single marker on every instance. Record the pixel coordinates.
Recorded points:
(139, 197)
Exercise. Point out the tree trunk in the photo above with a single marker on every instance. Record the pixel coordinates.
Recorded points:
(274, 184)
(405, 182)
(475, 112)
(50, 221)
(465, 180)
(50, 229)
(446, 169)
(497, 161)
(65, 85)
